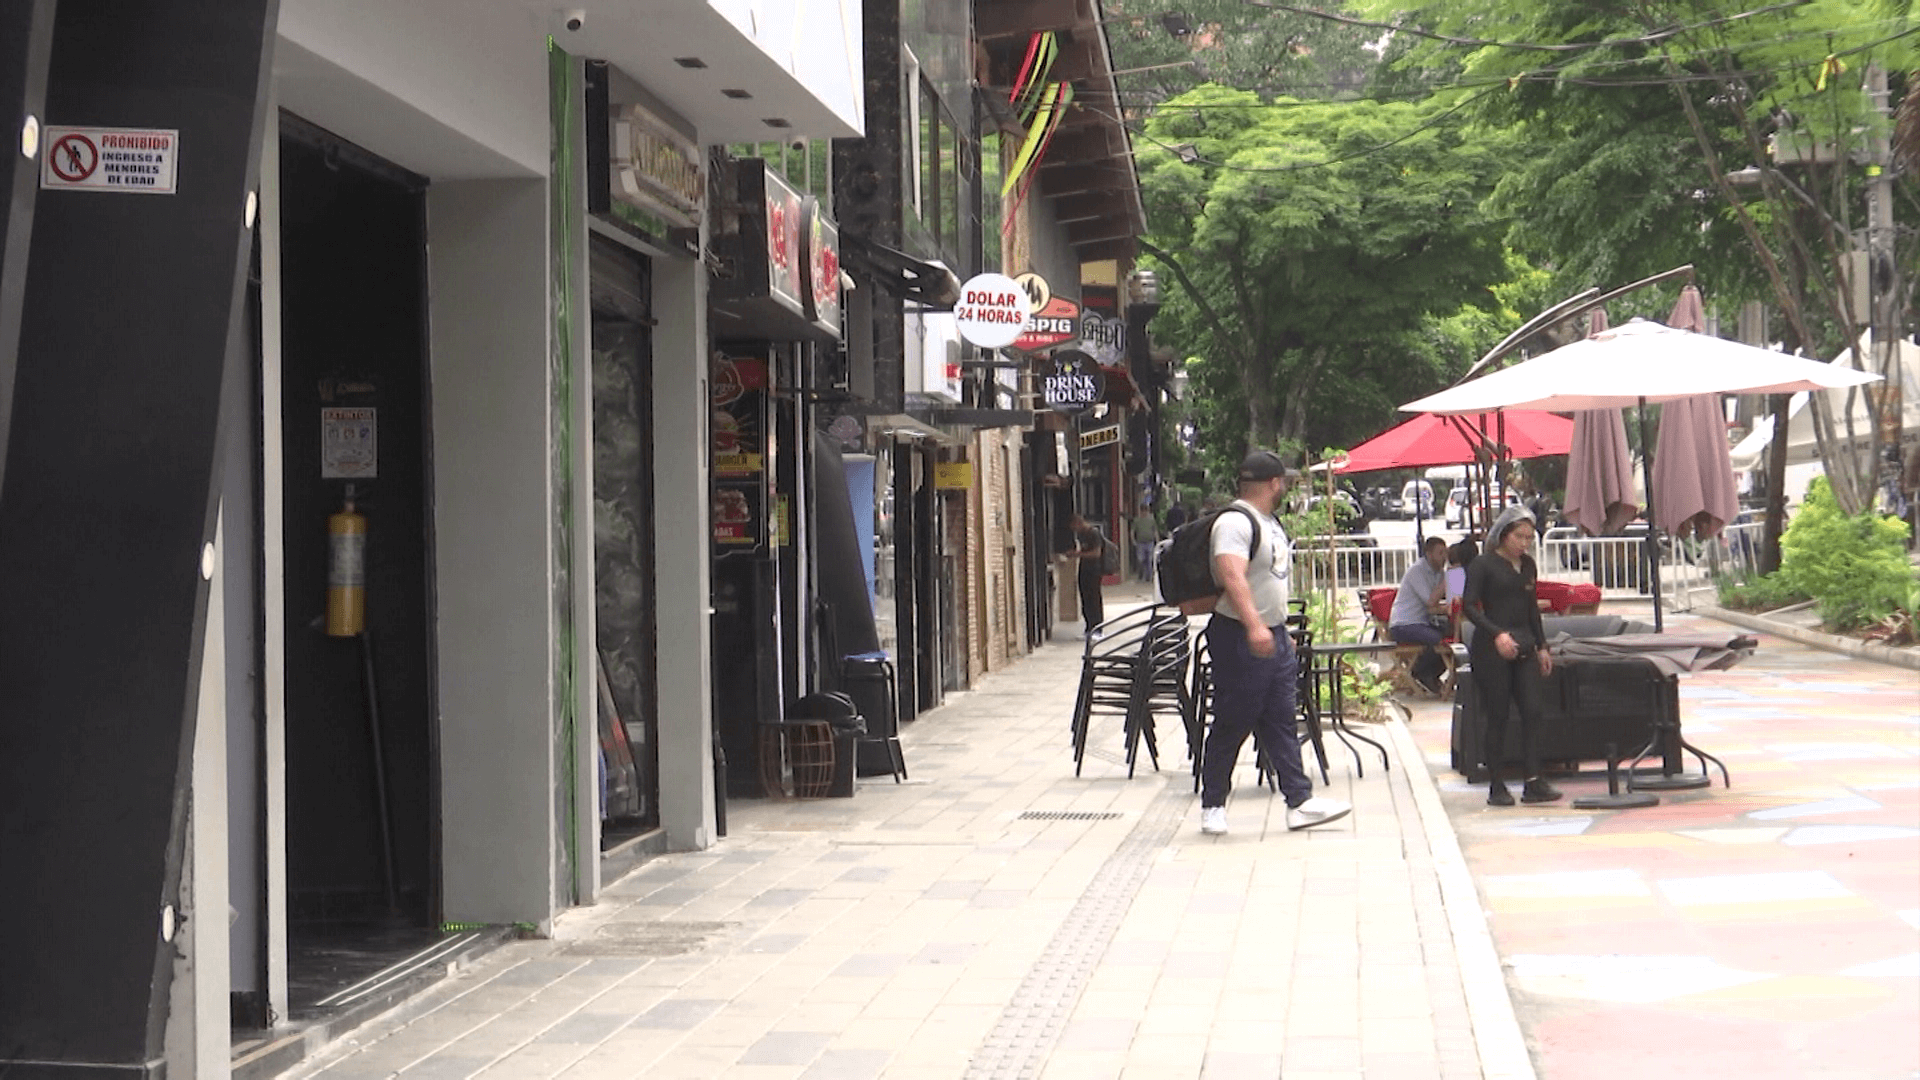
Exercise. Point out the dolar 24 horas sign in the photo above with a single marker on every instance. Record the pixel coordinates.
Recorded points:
(992, 310)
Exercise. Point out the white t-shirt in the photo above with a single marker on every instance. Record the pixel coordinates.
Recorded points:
(1269, 572)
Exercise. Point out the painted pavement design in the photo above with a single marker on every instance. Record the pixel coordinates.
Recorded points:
(1770, 930)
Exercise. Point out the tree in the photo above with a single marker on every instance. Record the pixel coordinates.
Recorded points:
(1644, 117)
(1312, 244)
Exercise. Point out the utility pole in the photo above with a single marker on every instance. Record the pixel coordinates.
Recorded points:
(1884, 278)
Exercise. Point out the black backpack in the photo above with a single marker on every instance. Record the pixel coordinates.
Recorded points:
(1184, 569)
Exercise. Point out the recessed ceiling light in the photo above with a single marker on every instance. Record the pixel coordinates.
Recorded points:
(690, 61)
(777, 122)
(736, 93)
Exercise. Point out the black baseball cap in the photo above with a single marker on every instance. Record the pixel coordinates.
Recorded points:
(1264, 465)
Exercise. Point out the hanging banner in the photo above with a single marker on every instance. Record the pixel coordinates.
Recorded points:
(738, 447)
(1105, 337)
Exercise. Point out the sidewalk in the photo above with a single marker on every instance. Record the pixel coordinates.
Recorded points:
(997, 917)
(1767, 930)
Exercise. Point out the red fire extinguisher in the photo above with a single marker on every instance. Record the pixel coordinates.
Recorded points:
(346, 571)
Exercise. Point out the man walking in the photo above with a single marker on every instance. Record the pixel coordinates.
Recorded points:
(1254, 667)
(1089, 544)
(1146, 533)
(1419, 614)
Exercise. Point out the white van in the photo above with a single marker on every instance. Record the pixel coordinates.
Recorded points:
(1418, 490)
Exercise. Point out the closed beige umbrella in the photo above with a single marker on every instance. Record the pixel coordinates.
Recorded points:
(1693, 489)
(1600, 487)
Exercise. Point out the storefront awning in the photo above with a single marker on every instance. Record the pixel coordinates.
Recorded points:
(1121, 390)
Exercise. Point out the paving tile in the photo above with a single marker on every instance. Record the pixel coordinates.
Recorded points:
(785, 1048)
(586, 1027)
(678, 1014)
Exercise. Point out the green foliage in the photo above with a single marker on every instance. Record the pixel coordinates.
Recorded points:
(1854, 565)
(1323, 244)
(1765, 593)
(1361, 687)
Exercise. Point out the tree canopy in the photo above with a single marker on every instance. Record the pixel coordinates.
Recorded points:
(1312, 245)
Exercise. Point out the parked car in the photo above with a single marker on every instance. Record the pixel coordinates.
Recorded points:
(1416, 498)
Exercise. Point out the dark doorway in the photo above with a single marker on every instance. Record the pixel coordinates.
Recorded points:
(360, 755)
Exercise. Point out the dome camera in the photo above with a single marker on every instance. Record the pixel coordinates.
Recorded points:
(574, 18)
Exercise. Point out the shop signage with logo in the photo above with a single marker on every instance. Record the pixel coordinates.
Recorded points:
(1105, 436)
(657, 170)
(1075, 384)
(1104, 336)
(992, 310)
(823, 270)
(1055, 324)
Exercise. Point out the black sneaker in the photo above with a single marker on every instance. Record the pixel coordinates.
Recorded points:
(1498, 795)
(1429, 683)
(1537, 790)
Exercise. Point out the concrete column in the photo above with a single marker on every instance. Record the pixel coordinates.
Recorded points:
(492, 534)
(682, 539)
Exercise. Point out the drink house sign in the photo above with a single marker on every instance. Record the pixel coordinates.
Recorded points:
(1075, 384)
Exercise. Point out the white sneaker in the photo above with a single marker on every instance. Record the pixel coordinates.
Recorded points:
(1315, 811)
(1213, 820)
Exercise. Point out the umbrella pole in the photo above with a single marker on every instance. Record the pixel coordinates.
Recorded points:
(1653, 529)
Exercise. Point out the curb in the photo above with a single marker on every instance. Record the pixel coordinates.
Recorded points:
(1859, 650)
(1496, 1029)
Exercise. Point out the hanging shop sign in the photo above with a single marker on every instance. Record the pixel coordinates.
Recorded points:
(137, 161)
(1074, 385)
(823, 270)
(1055, 324)
(1103, 336)
(953, 476)
(1105, 436)
(657, 170)
(773, 256)
(992, 310)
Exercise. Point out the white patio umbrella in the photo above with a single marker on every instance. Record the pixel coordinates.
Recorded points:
(1636, 364)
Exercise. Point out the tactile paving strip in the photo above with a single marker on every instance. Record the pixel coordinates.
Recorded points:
(1030, 1024)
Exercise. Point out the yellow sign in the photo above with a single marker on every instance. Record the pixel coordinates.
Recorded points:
(736, 464)
(782, 521)
(1100, 437)
(952, 476)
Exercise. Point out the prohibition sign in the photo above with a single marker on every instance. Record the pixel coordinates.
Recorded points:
(73, 158)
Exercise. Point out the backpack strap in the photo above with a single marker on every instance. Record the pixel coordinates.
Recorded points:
(1253, 548)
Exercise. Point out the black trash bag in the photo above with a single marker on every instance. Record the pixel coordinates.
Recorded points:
(835, 708)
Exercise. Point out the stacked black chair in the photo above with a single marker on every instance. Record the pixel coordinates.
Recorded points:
(1135, 665)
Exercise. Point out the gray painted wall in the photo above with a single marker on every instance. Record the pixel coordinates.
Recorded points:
(487, 263)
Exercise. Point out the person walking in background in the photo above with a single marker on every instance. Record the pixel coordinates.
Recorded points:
(1255, 671)
(1509, 651)
(1145, 534)
(1177, 515)
(1088, 545)
(1419, 615)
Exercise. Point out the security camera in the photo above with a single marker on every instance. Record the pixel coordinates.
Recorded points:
(575, 18)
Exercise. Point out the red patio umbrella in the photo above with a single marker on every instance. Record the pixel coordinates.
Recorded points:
(1453, 440)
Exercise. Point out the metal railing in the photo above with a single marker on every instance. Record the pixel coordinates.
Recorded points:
(1617, 564)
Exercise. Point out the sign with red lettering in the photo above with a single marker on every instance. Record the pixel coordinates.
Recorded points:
(128, 160)
(992, 310)
(1057, 322)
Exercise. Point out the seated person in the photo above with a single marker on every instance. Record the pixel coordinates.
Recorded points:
(1419, 615)
(1458, 556)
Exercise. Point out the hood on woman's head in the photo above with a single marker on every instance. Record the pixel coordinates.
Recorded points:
(1507, 519)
